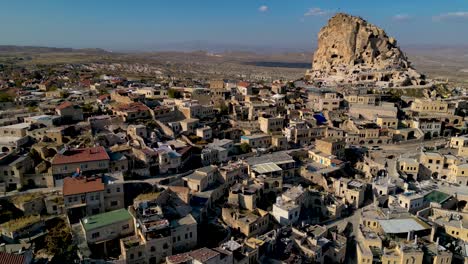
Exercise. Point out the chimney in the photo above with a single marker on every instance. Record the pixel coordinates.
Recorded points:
(410, 235)
(416, 239)
(3, 247)
(433, 233)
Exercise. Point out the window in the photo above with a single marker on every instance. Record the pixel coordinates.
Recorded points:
(114, 203)
(95, 235)
(153, 249)
(118, 189)
(125, 227)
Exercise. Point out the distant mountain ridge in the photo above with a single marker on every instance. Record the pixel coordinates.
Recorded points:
(41, 49)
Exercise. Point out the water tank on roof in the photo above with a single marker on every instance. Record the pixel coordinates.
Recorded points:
(279, 200)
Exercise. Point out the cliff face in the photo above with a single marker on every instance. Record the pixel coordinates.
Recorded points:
(351, 50)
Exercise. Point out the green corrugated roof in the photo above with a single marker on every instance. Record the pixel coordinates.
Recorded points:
(436, 196)
(105, 219)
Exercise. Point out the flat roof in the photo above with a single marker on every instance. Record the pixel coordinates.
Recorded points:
(266, 168)
(81, 155)
(255, 136)
(275, 157)
(73, 186)
(104, 219)
(18, 126)
(437, 196)
(398, 226)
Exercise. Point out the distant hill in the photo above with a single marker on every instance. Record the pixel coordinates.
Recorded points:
(38, 49)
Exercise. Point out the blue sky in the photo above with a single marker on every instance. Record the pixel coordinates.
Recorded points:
(156, 24)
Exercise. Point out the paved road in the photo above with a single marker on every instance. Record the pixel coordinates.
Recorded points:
(355, 221)
(157, 180)
(42, 190)
(152, 181)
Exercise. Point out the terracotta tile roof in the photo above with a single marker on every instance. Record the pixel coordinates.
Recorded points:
(81, 155)
(8, 258)
(104, 97)
(132, 107)
(203, 254)
(179, 258)
(72, 186)
(64, 105)
(184, 150)
(243, 84)
(179, 189)
(85, 82)
(115, 81)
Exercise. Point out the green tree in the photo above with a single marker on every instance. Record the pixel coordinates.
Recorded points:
(4, 97)
(103, 91)
(19, 83)
(59, 243)
(224, 109)
(245, 148)
(88, 108)
(173, 93)
(150, 124)
(64, 94)
(52, 88)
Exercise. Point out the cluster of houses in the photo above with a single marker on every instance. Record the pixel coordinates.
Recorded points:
(286, 171)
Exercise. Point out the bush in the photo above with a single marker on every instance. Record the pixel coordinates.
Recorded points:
(173, 93)
(4, 97)
(58, 241)
(245, 148)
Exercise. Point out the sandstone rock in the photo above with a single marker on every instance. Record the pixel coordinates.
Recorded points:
(352, 51)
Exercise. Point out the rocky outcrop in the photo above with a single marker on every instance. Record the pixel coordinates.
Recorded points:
(352, 51)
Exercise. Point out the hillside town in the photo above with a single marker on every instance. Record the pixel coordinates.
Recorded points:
(99, 167)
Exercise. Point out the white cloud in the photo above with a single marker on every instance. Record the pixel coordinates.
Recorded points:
(460, 15)
(263, 8)
(317, 11)
(401, 17)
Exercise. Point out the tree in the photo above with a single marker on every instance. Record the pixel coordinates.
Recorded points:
(59, 243)
(103, 91)
(88, 108)
(245, 148)
(18, 83)
(4, 97)
(52, 88)
(150, 124)
(173, 93)
(224, 109)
